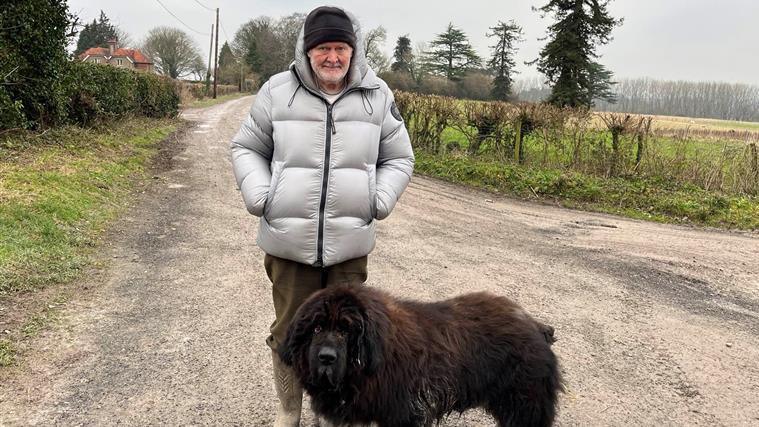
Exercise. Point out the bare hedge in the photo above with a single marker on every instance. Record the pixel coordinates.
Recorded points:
(601, 144)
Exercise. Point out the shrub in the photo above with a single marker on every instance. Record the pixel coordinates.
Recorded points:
(398, 80)
(33, 37)
(40, 88)
(101, 92)
(157, 96)
(11, 112)
(476, 85)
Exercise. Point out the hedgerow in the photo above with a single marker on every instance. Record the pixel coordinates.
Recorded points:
(40, 86)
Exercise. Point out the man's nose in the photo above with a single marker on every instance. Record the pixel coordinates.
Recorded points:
(332, 56)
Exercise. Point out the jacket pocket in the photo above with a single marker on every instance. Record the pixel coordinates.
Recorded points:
(276, 173)
(371, 170)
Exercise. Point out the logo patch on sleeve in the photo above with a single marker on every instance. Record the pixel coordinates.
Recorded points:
(396, 112)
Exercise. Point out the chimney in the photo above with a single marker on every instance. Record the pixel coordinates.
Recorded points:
(112, 46)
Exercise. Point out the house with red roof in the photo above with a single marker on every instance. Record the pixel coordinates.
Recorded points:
(116, 56)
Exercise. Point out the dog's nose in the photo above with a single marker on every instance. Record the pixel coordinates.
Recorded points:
(327, 356)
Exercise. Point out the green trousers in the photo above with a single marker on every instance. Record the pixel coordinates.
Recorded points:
(293, 282)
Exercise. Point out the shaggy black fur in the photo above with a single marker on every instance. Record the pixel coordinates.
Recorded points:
(364, 357)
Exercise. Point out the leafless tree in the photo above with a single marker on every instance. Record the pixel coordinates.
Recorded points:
(374, 42)
(173, 51)
(729, 101)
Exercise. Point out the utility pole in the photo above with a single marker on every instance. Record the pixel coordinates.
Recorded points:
(208, 73)
(216, 55)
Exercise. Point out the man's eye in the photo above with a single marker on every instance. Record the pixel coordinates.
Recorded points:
(317, 329)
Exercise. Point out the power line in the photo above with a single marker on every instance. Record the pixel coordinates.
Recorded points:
(224, 30)
(204, 6)
(182, 22)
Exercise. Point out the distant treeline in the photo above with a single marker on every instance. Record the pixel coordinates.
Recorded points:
(714, 100)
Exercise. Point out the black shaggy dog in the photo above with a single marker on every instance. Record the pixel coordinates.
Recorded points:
(364, 356)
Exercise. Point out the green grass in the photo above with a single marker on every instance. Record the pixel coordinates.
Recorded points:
(58, 192)
(689, 161)
(7, 352)
(650, 199)
(208, 102)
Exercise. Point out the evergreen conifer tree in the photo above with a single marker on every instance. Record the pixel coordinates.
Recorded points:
(502, 63)
(95, 34)
(402, 55)
(568, 59)
(451, 54)
(226, 56)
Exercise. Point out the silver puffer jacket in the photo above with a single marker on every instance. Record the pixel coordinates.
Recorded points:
(317, 174)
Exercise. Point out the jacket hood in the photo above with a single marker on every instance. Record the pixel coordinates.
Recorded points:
(359, 73)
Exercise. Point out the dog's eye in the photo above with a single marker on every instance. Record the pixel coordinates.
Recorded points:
(317, 329)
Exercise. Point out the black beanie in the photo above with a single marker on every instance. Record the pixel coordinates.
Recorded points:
(327, 24)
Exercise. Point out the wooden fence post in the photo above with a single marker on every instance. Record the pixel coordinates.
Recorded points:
(518, 142)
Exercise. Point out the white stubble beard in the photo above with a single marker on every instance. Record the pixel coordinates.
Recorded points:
(329, 78)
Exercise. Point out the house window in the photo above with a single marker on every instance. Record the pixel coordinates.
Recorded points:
(118, 62)
(96, 60)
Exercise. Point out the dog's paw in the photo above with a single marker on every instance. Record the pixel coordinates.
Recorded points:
(548, 333)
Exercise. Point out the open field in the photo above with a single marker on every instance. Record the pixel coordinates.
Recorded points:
(673, 122)
(676, 123)
(695, 128)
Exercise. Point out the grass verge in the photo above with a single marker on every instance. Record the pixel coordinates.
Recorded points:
(641, 198)
(207, 102)
(59, 190)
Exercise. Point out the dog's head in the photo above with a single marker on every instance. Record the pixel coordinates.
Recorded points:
(335, 335)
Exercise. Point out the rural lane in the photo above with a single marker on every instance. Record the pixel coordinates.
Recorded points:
(656, 324)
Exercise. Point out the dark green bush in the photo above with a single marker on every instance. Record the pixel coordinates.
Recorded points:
(101, 92)
(157, 96)
(33, 37)
(11, 112)
(41, 88)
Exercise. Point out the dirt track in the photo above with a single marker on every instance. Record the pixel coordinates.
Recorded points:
(657, 324)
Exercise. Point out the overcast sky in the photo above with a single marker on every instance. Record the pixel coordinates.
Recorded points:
(663, 39)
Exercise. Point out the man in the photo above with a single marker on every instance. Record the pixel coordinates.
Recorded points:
(323, 154)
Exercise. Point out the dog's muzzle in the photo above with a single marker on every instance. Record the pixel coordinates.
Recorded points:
(327, 356)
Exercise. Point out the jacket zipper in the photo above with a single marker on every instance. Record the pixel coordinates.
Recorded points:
(325, 177)
(325, 170)
(325, 181)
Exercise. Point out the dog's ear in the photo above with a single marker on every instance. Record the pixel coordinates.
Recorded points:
(375, 327)
(371, 349)
(298, 335)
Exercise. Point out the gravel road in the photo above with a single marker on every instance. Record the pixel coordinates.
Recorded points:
(657, 324)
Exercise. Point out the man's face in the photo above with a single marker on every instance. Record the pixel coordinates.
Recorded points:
(330, 61)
